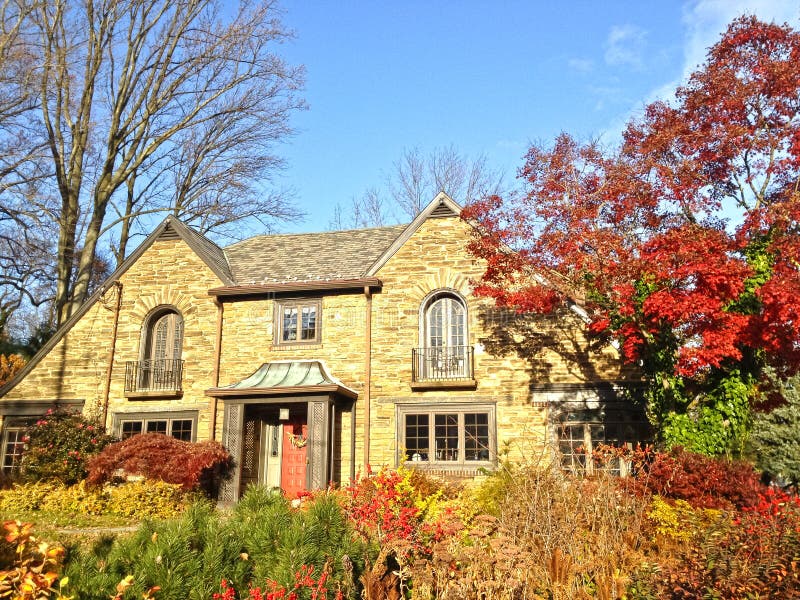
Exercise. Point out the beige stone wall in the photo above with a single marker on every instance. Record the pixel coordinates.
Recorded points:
(510, 353)
(169, 272)
(247, 339)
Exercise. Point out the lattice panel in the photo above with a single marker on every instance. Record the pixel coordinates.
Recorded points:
(318, 437)
(249, 458)
(232, 439)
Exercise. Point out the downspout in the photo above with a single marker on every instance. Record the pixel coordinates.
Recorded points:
(367, 372)
(353, 443)
(212, 422)
(110, 368)
(332, 444)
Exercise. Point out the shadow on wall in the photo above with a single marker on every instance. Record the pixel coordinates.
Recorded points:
(556, 347)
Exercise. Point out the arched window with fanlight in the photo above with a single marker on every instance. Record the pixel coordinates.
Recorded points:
(160, 367)
(443, 354)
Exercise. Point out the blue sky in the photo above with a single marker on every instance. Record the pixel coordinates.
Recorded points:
(487, 77)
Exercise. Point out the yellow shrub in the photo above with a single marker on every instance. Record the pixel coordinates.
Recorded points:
(27, 497)
(146, 499)
(135, 500)
(76, 499)
(678, 520)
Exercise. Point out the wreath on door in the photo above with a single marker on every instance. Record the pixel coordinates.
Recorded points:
(298, 441)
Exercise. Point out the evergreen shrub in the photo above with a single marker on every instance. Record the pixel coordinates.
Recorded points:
(263, 539)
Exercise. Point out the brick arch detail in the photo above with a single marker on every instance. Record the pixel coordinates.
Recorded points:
(442, 279)
(145, 304)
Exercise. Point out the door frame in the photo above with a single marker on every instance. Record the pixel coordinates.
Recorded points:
(322, 444)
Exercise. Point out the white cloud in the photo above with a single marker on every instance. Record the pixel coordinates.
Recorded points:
(581, 65)
(625, 46)
(704, 22)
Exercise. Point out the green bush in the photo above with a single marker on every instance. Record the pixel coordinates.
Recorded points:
(264, 537)
(58, 446)
(774, 442)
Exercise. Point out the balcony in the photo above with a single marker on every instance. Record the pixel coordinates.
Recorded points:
(442, 367)
(154, 379)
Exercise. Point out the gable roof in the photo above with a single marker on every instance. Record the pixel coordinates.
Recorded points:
(332, 255)
(441, 206)
(335, 257)
(208, 251)
(327, 256)
(170, 228)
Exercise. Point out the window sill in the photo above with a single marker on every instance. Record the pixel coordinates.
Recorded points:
(458, 471)
(154, 394)
(296, 346)
(449, 384)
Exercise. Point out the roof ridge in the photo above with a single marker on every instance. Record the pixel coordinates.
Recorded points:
(312, 233)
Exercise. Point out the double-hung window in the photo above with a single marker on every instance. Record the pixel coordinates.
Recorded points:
(297, 321)
(454, 435)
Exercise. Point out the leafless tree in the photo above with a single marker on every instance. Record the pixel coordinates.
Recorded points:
(25, 267)
(368, 210)
(414, 180)
(417, 178)
(148, 106)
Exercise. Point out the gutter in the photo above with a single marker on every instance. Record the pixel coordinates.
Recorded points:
(295, 286)
(367, 375)
(212, 425)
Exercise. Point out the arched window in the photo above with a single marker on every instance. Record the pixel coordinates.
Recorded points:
(444, 353)
(160, 366)
(445, 321)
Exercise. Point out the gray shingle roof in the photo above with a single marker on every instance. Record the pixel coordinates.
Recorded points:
(205, 248)
(309, 256)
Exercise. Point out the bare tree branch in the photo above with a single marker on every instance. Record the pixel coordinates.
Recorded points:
(417, 178)
(142, 107)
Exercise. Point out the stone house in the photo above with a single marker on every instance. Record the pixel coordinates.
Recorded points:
(310, 356)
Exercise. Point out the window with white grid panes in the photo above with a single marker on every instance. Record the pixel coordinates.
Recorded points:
(447, 435)
(297, 321)
(580, 431)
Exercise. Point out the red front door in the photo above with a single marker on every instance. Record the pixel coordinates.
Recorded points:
(293, 466)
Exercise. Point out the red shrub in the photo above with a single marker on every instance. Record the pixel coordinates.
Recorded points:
(752, 555)
(155, 456)
(702, 481)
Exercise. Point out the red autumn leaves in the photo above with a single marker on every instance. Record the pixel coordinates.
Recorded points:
(685, 238)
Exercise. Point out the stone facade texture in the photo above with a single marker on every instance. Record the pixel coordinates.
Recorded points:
(511, 355)
(168, 273)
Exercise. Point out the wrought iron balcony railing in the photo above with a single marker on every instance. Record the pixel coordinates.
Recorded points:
(154, 376)
(442, 363)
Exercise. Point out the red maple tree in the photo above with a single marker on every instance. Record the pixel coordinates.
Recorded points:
(683, 242)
